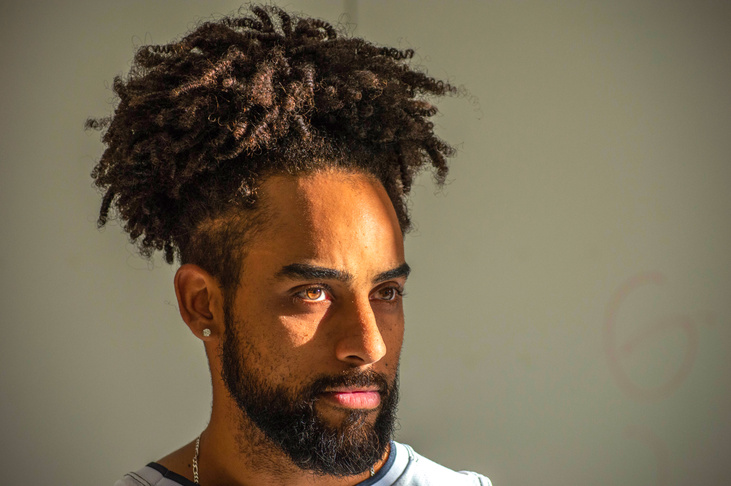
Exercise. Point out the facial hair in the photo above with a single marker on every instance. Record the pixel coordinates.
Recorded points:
(288, 418)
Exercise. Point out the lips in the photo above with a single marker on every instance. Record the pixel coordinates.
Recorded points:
(354, 398)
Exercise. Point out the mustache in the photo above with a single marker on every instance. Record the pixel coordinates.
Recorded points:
(350, 378)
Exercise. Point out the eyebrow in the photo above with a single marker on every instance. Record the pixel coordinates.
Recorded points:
(402, 270)
(305, 271)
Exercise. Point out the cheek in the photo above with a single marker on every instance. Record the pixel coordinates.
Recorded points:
(279, 324)
(398, 339)
(391, 325)
(282, 348)
(297, 331)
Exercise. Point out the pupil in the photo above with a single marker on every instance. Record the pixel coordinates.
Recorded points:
(313, 293)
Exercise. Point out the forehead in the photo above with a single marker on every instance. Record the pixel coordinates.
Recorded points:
(334, 218)
(329, 196)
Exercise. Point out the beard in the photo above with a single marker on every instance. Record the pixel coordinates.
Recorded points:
(288, 418)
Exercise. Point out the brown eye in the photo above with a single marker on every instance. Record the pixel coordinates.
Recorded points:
(389, 293)
(313, 294)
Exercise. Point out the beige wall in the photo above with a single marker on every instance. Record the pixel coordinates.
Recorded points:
(568, 315)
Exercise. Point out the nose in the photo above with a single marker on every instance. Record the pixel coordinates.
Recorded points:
(359, 340)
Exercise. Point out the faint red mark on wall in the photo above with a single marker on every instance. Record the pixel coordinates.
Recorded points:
(660, 451)
(616, 352)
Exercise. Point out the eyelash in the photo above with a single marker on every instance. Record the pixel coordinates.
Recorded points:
(399, 292)
(326, 290)
(300, 294)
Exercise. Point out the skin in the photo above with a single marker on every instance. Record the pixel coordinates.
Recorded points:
(295, 326)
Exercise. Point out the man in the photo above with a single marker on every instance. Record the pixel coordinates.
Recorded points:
(273, 159)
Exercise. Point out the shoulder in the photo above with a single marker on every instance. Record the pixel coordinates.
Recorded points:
(421, 471)
(153, 475)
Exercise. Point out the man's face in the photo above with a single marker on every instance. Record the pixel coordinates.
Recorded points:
(315, 329)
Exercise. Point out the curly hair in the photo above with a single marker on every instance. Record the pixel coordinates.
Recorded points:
(202, 121)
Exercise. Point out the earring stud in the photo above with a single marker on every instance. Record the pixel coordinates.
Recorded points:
(206, 332)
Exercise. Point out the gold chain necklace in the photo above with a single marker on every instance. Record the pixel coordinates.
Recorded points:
(195, 459)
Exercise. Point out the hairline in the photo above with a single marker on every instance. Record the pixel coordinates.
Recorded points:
(246, 223)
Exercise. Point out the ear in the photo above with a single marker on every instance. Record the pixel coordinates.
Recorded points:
(200, 301)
